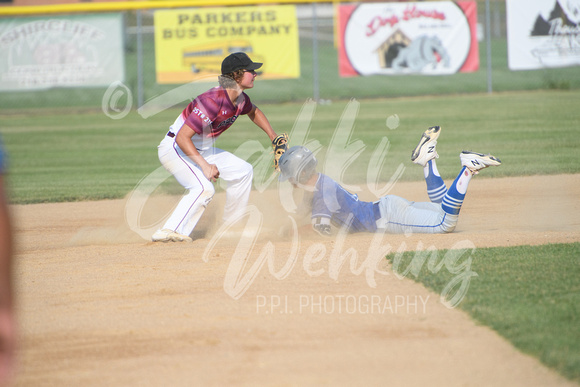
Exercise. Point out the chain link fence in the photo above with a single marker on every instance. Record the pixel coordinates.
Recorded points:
(319, 77)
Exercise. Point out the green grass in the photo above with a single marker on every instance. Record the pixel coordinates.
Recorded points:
(59, 155)
(529, 295)
(331, 85)
(62, 147)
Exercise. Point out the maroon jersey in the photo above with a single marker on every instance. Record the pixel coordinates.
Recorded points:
(214, 111)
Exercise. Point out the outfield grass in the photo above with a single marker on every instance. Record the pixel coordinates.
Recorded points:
(331, 85)
(59, 155)
(529, 295)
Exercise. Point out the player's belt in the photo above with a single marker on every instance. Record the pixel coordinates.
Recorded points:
(377, 211)
(171, 134)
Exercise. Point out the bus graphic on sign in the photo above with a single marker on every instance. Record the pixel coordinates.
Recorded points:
(208, 57)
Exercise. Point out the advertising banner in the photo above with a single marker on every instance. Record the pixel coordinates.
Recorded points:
(63, 51)
(191, 43)
(543, 33)
(430, 38)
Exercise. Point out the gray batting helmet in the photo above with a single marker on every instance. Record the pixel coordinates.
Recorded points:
(298, 163)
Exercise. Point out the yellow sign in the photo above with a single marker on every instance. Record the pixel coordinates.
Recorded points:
(191, 43)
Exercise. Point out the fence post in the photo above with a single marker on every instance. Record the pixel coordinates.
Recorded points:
(140, 90)
(497, 20)
(488, 45)
(315, 85)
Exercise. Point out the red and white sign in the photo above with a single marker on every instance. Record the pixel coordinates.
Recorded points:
(432, 38)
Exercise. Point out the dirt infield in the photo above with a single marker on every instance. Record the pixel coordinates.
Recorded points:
(100, 306)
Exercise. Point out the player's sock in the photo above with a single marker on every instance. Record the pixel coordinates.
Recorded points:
(453, 200)
(436, 188)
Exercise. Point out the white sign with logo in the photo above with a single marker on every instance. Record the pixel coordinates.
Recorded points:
(65, 51)
(543, 33)
(432, 38)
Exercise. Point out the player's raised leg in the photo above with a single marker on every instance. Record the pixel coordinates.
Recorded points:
(405, 216)
(425, 154)
(477, 161)
(472, 163)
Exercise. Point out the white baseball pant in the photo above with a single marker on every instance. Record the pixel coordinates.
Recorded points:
(236, 172)
(399, 215)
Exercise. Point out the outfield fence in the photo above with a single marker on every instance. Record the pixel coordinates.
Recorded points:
(319, 76)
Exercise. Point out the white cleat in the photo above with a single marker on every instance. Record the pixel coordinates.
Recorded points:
(477, 161)
(425, 150)
(167, 235)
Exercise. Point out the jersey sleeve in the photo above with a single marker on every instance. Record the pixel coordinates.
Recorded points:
(203, 112)
(248, 105)
(324, 202)
(319, 209)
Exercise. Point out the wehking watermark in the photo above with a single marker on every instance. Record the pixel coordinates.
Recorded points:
(318, 259)
(341, 304)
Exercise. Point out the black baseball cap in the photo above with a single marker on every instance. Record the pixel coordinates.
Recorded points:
(238, 61)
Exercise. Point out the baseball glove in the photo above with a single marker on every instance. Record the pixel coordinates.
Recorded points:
(280, 145)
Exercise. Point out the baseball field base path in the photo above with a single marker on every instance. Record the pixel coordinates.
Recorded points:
(100, 306)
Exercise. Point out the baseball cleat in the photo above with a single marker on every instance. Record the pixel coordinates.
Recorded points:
(476, 161)
(167, 235)
(425, 150)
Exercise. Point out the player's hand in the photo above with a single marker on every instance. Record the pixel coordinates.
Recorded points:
(211, 172)
(322, 229)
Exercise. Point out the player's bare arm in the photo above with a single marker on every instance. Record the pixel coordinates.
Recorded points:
(279, 142)
(259, 118)
(183, 140)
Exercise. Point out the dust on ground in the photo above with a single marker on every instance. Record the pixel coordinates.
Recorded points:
(98, 305)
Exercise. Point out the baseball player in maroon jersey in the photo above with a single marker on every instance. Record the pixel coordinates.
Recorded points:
(187, 150)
